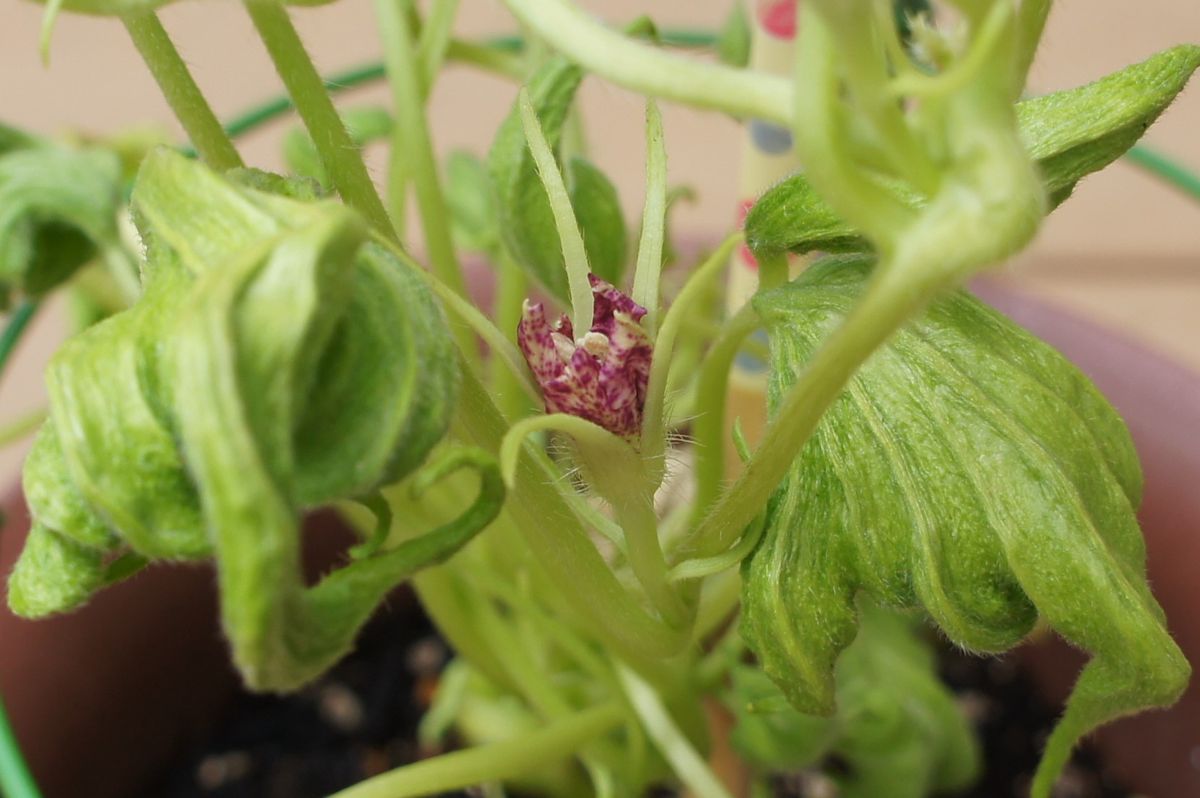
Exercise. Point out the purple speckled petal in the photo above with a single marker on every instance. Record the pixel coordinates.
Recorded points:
(602, 377)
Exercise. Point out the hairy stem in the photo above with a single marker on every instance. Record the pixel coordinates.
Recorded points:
(180, 90)
(712, 389)
(561, 545)
(342, 160)
(411, 138)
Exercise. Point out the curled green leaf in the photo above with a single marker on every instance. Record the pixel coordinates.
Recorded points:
(1071, 134)
(968, 470)
(275, 362)
(58, 209)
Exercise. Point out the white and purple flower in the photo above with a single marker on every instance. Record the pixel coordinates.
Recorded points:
(600, 376)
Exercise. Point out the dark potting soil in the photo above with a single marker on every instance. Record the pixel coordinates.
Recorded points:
(357, 721)
(361, 719)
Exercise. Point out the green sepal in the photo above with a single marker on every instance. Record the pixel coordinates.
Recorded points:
(365, 125)
(58, 207)
(526, 221)
(968, 470)
(897, 726)
(1070, 134)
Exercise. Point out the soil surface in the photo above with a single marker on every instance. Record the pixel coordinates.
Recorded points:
(360, 720)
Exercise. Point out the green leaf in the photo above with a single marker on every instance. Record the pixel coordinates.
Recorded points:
(1077, 132)
(471, 202)
(1070, 133)
(58, 207)
(526, 221)
(733, 47)
(969, 470)
(598, 211)
(276, 361)
(365, 125)
(897, 726)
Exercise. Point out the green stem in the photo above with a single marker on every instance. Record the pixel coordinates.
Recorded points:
(487, 57)
(17, 429)
(411, 137)
(512, 286)
(651, 71)
(15, 779)
(15, 328)
(561, 545)
(435, 39)
(180, 90)
(654, 438)
(712, 391)
(647, 277)
(495, 762)
(1031, 23)
(670, 741)
(644, 549)
(342, 160)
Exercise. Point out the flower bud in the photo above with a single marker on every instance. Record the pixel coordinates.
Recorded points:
(600, 376)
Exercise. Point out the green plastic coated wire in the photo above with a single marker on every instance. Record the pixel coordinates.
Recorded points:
(1166, 169)
(15, 329)
(15, 779)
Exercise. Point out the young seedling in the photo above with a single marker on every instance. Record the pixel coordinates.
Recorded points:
(277, 349)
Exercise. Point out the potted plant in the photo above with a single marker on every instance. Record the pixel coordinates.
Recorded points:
(257, 345)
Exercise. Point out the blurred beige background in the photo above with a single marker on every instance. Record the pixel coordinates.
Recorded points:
(1125, 250)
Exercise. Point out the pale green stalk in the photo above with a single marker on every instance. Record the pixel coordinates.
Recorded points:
(435, 38)
(411, 139)
(654, 436)
(650, 71)
(712, 388)
(561, 546)
(180, 90)
(342, 160)
(1031, 24)
(495, 762)
(647, 277)
(574, 253)
(487, 58)
(22, 426)
(670, 741)
(618, 475)
(508, 379)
